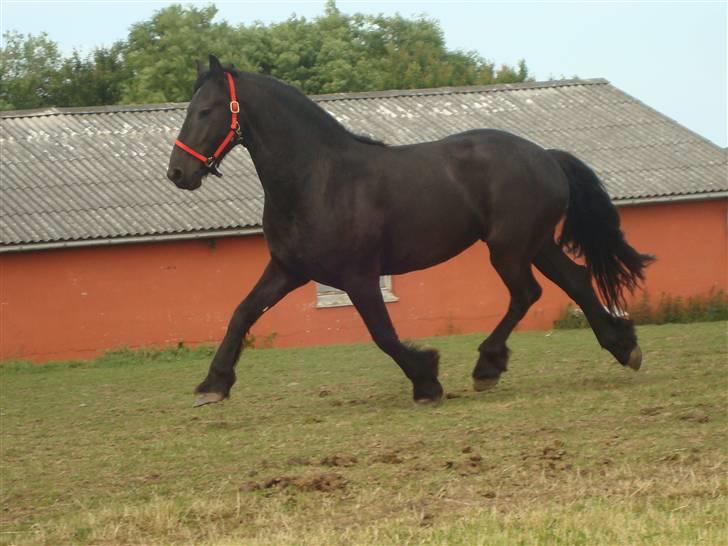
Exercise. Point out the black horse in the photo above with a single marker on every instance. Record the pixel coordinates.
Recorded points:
(342, 210)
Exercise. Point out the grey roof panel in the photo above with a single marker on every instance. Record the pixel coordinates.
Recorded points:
(98, 173)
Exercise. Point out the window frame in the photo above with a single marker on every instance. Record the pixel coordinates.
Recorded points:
(328, 296)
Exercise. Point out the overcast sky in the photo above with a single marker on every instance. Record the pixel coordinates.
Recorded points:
(670, 55)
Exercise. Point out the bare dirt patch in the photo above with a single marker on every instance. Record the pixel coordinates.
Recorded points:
(339, 460)
(388, 457)
(695, 417)
(299, 461)
(325, 482)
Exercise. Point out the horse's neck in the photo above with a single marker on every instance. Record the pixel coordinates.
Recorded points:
(286, 145)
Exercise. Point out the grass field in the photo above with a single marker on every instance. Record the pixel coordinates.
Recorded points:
(323, 446)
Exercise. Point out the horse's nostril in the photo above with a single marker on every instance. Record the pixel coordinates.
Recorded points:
(175, 175)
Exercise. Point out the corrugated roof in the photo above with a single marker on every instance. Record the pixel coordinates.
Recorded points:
(76, 174)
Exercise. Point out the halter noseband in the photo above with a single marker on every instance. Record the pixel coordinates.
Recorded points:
(213, 160)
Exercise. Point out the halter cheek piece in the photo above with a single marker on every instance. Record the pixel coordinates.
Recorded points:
(214, 160)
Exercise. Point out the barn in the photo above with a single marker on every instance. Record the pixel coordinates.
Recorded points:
(99, 251)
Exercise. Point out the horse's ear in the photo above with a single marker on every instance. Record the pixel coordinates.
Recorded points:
(215, 66)
(200, 68)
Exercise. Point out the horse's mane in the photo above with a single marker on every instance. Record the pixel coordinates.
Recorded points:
(207, 75)
(301, 101)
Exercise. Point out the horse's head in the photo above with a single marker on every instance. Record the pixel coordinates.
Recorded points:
(210, 129)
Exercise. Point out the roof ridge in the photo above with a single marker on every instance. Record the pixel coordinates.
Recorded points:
(327, 97)
(603, 172)
(457, 90)
(655, 144)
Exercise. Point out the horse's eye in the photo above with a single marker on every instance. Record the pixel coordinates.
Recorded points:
(205, 112)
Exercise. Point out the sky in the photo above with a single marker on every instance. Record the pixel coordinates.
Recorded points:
(671, 55)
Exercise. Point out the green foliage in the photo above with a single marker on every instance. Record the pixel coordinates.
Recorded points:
(571, 318)
(340, 53)
(331, 53)
(159, 53)
(29, 68)
(121, 357)
(709, 307)
(94, 80)
(640, 311)
(252, 341)
(34, 75)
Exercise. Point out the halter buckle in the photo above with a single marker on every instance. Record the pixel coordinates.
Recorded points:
(210, 162)
(234, 107)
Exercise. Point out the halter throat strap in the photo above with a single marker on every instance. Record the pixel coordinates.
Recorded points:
(234, 131)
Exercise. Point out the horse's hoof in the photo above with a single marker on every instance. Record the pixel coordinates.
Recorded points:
(205, 398)
(481, 385)
(428, 402)
(635, 358)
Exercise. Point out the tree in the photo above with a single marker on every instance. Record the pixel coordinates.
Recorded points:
(160, 53)
(34, 75)
(331, 53)
(338, 53)
(28, 71)
(94, 80)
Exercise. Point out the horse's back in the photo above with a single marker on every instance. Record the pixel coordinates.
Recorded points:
(481, 180)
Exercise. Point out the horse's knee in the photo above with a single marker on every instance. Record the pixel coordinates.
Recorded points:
(522, 301)
(534, 293)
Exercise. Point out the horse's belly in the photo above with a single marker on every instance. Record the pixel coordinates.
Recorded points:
(410, 251)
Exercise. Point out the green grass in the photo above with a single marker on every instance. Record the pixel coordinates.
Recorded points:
(323, 446)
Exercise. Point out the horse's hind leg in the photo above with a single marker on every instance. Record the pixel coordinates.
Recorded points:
(420, 366)
(615, 334)
(275, 283)
(515, 270)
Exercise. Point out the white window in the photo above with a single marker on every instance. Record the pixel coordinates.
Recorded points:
(328, 296)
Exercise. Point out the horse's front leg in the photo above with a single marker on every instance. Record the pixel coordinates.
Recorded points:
(419, 365)
(272, 286)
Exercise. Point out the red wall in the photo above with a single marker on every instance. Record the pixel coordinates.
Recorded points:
(74, 303)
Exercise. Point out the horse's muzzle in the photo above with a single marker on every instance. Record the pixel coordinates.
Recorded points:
(176, 175)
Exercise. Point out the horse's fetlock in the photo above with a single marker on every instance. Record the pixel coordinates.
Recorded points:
(422, 365)
(217, 381)
(492, 362)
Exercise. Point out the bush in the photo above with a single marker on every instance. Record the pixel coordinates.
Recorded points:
(709, 307)
(571, 318)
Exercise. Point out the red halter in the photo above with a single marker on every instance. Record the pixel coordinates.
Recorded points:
(233, 132)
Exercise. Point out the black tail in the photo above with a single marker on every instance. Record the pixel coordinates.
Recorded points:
(591, 229)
